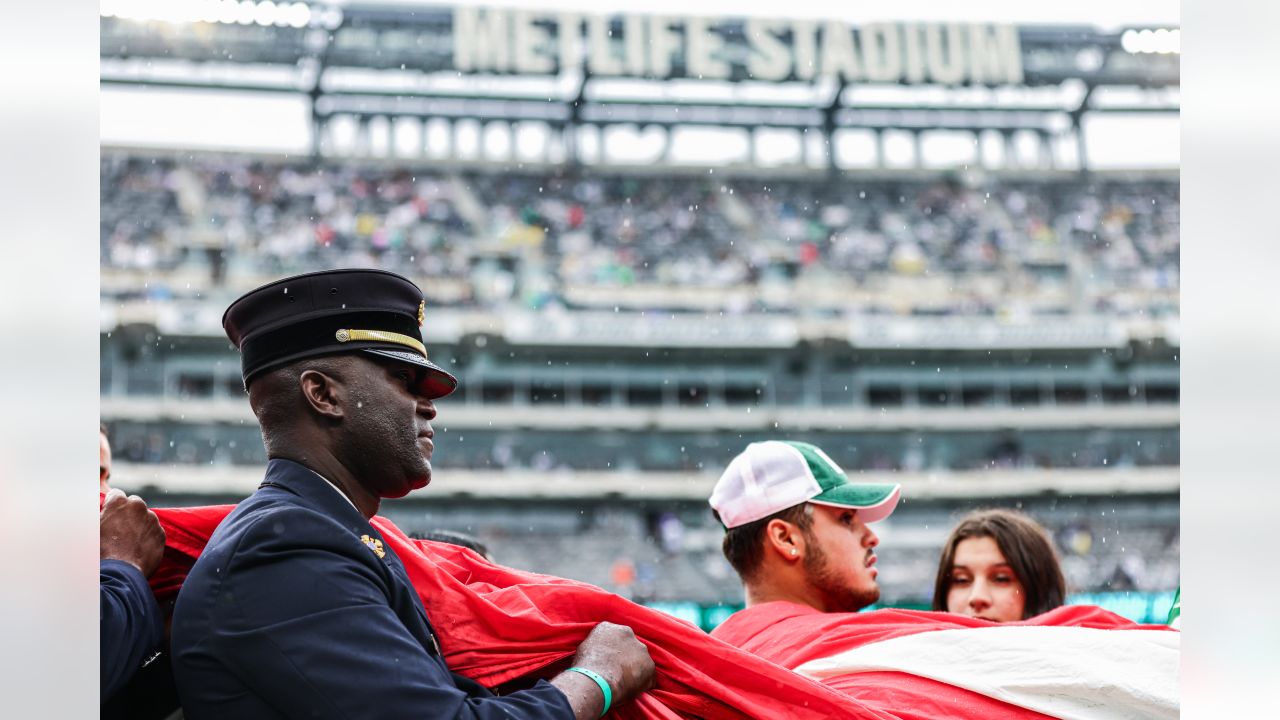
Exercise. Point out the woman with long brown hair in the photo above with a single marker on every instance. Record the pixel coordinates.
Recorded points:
(998, 565)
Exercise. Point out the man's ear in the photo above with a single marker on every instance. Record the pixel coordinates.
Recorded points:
(324, 393)
(784, 538)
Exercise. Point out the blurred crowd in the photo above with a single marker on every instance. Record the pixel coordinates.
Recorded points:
(492, 240)
(226, 445)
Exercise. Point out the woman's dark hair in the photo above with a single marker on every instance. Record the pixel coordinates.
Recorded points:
(1025, 546)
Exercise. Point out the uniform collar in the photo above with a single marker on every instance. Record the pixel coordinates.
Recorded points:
(312, 486)
(336, 489)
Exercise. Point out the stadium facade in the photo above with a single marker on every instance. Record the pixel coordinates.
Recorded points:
(998, 333)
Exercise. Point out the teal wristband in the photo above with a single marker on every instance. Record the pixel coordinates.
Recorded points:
(604, 686)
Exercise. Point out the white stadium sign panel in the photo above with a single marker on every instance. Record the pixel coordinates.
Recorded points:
(660, 46)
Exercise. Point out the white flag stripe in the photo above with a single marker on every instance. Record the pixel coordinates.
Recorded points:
(1066, 672)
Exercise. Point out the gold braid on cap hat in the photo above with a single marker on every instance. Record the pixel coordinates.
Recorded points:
(346, 335)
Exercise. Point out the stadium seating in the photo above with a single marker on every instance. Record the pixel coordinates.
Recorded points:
(970, 246)
(808, 267)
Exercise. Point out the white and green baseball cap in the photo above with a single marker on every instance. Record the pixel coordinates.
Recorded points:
(777, 474)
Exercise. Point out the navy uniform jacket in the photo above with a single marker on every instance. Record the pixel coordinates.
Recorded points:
(289, 614)
(129, 623)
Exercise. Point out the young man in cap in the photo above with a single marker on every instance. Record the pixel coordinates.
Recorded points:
(297, 607)
(798, 536)
(797, 532)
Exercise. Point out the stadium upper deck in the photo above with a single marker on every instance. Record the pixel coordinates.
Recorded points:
(407, 67)
(978, 246)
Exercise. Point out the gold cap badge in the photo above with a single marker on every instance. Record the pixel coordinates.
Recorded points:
(374, 544)
(422, 312)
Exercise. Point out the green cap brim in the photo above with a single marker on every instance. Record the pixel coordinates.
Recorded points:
(873, 501)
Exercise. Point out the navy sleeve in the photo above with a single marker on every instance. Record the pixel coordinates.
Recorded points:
(302, 616)
(130, 626)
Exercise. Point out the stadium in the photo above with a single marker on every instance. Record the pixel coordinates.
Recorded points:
(903, 254)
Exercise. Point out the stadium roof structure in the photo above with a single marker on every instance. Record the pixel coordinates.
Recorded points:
(568, 71)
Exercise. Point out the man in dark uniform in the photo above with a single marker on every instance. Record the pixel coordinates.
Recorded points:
(137, 683)
(131, 627)
(298, 608)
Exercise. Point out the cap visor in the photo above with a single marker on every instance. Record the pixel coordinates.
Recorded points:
(873, 501)
(436, 381)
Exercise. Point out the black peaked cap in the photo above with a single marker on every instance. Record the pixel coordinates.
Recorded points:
(333, 312)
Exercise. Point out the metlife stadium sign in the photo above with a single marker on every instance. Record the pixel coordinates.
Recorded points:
(659, 46)
(446, 39)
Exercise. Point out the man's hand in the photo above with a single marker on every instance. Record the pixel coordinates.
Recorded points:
(130, 532)
(613, 652)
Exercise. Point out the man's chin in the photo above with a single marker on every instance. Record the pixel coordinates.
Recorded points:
(859, 600)
(416, 483)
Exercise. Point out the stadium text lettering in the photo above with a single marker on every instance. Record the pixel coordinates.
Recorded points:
(521, 41)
